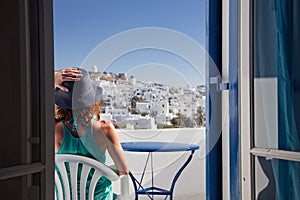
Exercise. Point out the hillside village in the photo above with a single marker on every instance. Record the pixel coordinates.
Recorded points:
(134, 104)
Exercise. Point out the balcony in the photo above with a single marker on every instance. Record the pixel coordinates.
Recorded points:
(191, 183)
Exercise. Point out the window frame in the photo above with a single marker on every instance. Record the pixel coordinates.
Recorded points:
(246, 95)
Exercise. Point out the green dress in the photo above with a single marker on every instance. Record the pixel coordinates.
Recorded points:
(87, 146)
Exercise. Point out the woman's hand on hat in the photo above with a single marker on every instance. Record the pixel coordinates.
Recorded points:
(69, 74)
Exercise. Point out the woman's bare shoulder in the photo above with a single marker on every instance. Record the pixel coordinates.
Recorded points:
(59, 131)
(105, 127)
(106, 124)
(103, 124)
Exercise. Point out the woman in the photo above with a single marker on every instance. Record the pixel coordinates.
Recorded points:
(78, 129)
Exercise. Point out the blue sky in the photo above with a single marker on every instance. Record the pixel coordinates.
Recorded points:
(80, 26)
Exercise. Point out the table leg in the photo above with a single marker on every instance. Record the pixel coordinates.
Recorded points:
(144, 170)
(179, 173)
(137, 185)
(152, 178)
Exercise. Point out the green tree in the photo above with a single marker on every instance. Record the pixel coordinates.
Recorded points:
(200, 116)
(177, 121)
(133, 101)
(188, 122)
(144, 114)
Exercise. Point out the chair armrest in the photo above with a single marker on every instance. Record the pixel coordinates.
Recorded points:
(124, 185)
(124, 188)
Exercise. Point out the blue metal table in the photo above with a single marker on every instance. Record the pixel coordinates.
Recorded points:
(151, 147)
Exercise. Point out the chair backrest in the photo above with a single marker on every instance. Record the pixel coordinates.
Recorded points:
(63, 183)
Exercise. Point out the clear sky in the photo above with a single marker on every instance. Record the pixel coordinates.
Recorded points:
(81, 26)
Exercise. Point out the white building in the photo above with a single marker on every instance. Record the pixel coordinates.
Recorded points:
(143, 106)
(120, 100)
(132, 80)
(94, 68)
(115, 111)
(138, 121)
(106, 116)
(109, 88)
(159, 107)
(188, 109)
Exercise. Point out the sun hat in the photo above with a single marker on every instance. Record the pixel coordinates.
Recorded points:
(81, 94)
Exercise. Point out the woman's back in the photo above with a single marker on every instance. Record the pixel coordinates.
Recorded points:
(85, 146)
(77, 103)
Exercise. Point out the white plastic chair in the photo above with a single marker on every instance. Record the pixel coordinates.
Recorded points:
(63, 185)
